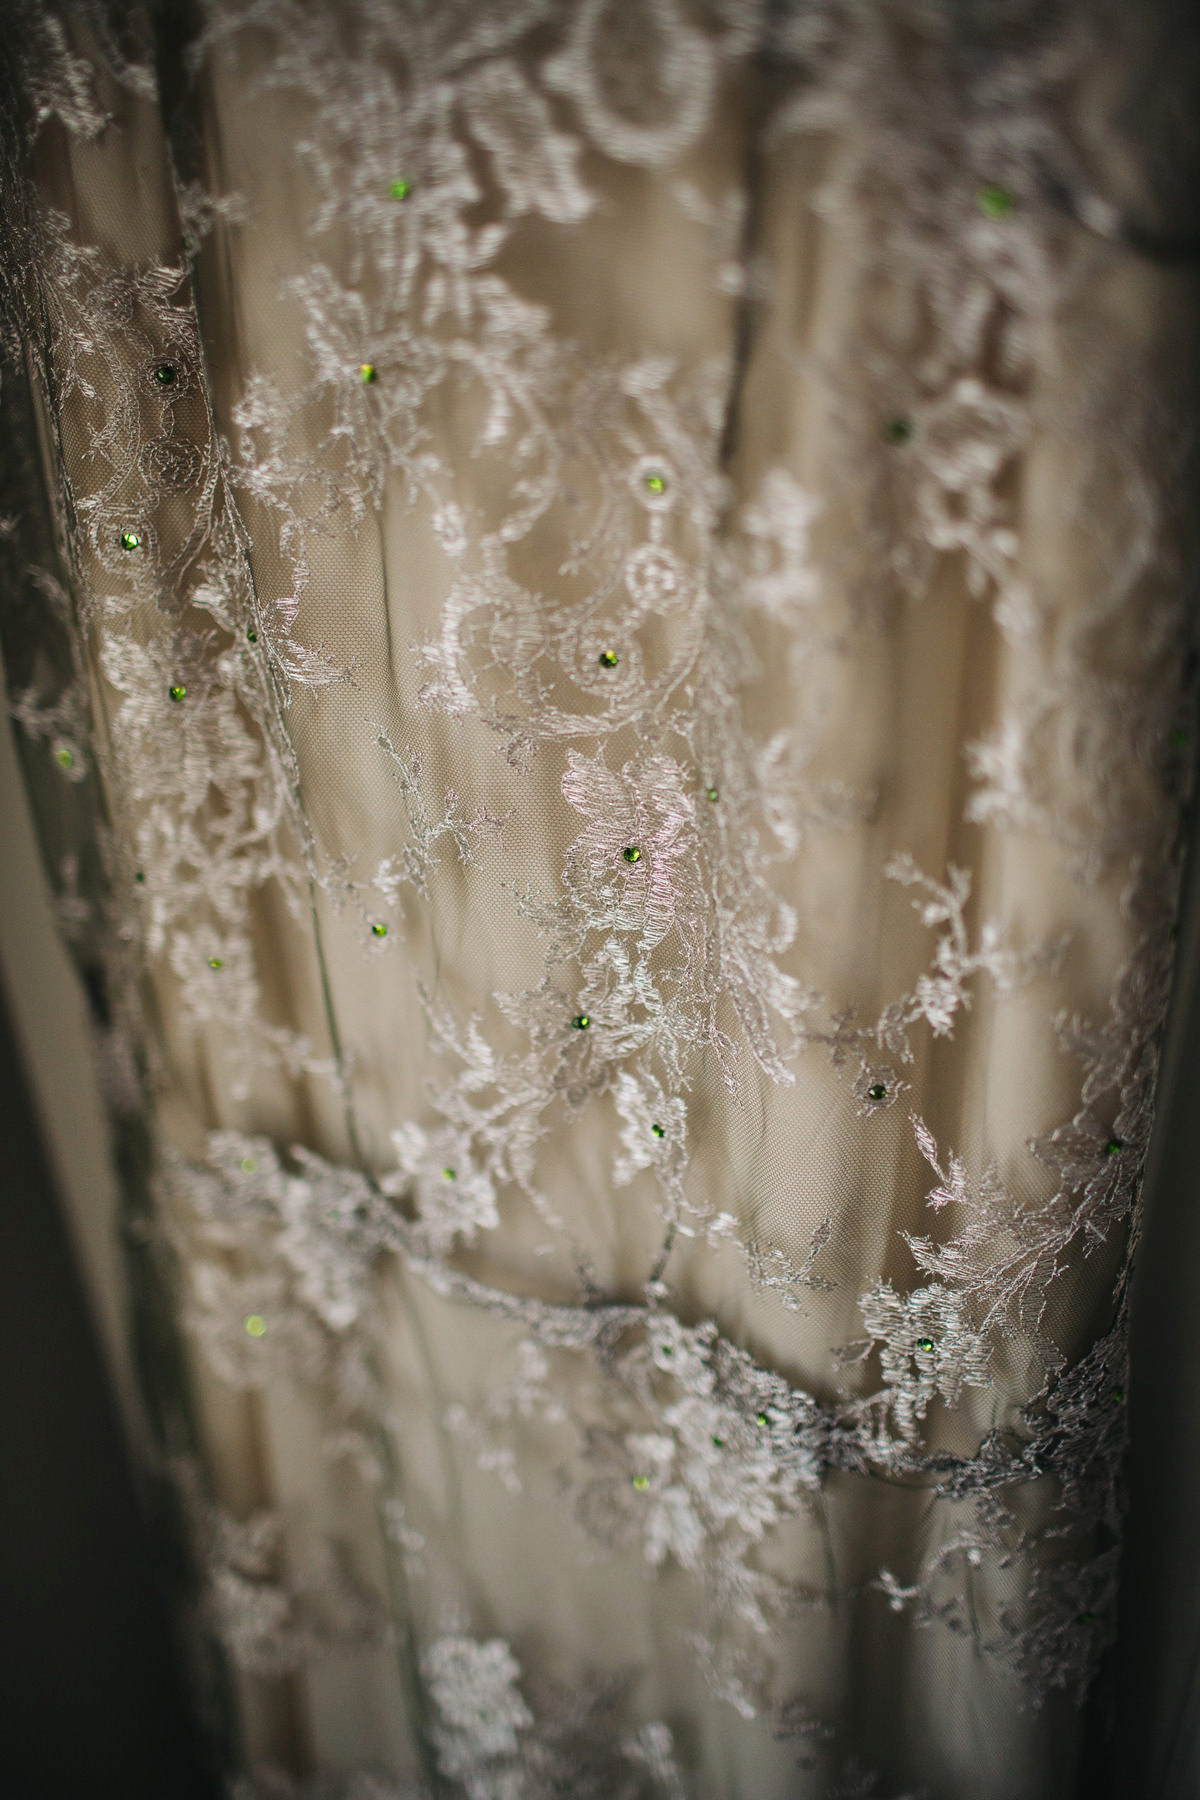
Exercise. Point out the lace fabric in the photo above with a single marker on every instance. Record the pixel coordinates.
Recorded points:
(596, 600)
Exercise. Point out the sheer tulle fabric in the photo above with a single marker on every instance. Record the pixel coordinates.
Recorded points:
(595, 597)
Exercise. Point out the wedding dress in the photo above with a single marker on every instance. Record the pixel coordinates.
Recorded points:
(595, 601)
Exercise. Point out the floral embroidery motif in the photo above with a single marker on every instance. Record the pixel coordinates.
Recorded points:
(678, 641)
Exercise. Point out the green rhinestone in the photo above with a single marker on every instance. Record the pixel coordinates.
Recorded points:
(368, 372)
(1119, 1395)
(1114, 1146)
(216, 962)
(251, 635)
(249, 1165)
(581, 1021)
(925, 1343)
(877, 1091)
(762, 1419)
(993, 201)
(64, 758)
(718, 1443)
(658, 1131)
(164, 374)
(656, 484)
(379, 929)
(177, 692)
(632, 854)
(898, 430)
(641, 1483)
(449, 1175)
(131, 540)
(255, 1324)
(608, 659)
(140, 876)
(713, 794)
(400, 190)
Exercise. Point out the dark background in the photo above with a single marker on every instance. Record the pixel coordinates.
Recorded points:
(92, 1696)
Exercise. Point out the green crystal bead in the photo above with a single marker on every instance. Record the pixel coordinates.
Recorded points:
(641, 1483)
(255, 1325)
(379, 929)
(64, 758)
(632, 854)
(131, 540)
(249, 1165)
(994, 201)
(656, 484)
(401, 189)
(608, 659)
(713, 794)
(367, 372)
(926, 1344)
(177, 692)
(1114, 1146)
(658, 1131)
(164, 374)
(898, 430)
(216, 962)
(449, 1175)
(581, 1021)
(877, 1091)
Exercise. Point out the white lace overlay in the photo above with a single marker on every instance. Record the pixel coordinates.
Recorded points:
(596, 601)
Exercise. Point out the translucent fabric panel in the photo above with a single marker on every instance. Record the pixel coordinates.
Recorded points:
(597, 604)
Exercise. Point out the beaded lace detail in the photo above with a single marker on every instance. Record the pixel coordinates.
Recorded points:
(623, 771)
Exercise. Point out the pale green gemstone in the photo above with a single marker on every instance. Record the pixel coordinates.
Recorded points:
(994, 201)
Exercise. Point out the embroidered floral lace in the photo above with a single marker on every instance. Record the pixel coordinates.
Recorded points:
(594, 596)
